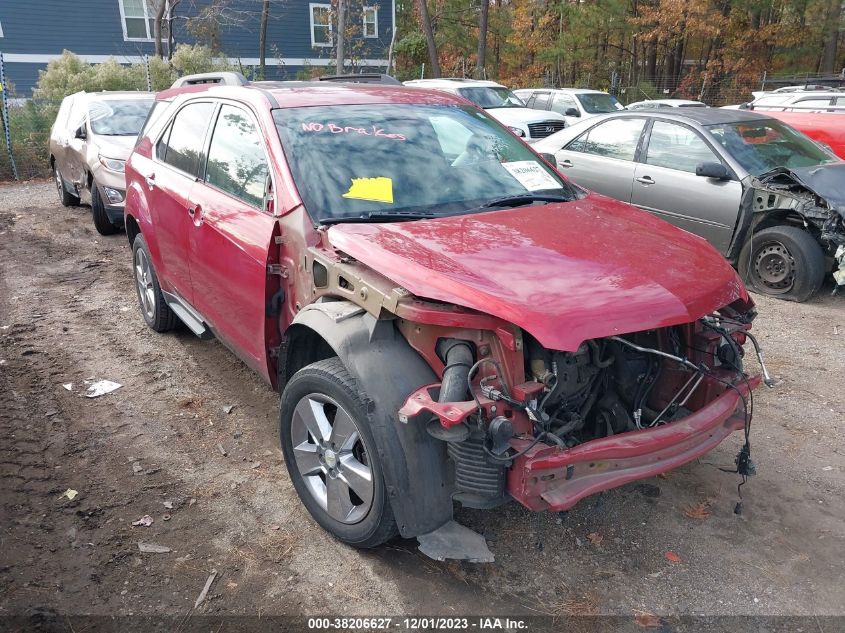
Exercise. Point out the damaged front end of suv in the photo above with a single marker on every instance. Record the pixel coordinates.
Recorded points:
(812, 198)
(549, 427)
(557, 376)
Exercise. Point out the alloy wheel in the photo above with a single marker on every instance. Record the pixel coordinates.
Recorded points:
(332, 458)
(144, 282)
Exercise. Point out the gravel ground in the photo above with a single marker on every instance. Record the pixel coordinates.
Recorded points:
(215, 486)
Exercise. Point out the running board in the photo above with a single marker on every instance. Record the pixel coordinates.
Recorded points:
(453, 541)
(188, 316)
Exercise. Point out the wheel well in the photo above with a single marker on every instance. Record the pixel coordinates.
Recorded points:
(778, 218)
(132, 229)
(303, 347)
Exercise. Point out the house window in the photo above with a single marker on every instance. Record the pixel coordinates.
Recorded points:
(321, 24)
(138, 17)
(370, 21)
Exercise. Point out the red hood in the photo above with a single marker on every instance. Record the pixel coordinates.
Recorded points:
(563, 272)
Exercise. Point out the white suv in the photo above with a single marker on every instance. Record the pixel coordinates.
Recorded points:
(500, 103)
(575, 104)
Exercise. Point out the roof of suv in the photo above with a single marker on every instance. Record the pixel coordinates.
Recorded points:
(577, 91)
(283, 94)
(452, 83)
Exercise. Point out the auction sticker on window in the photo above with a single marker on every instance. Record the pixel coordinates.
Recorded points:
(531, 175)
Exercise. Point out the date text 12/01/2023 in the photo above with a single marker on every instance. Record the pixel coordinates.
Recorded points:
(485, 623)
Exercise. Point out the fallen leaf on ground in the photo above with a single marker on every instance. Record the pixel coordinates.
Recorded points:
(595, 538)
(70, 493)
(646, 620)
(700, 510)
(672, 557)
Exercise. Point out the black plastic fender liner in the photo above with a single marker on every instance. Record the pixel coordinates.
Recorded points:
(388, 370)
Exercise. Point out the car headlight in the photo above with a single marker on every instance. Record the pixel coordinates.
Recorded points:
(518, 131)
(113, 164)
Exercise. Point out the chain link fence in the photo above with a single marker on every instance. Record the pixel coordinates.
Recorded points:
(29, 134)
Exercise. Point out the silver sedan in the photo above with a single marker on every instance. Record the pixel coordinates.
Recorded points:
(766, 196)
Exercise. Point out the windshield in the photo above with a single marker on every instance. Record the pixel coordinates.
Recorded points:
(118, 118)
(599, 102)
(355, 161)
(760, 146)
(491, 97)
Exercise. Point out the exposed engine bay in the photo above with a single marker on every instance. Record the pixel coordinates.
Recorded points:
(619, 384)
(569, 400)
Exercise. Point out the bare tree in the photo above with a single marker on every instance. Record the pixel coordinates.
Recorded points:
(161, 9)
(482, 39)
(422, 5)
(262, 37)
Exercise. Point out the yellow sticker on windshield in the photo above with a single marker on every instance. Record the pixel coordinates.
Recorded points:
(374, 189)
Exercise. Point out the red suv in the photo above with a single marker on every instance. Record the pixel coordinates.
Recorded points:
(446, 317)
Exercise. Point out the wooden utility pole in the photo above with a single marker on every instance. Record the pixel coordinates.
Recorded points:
(341, 27)
(262, 37)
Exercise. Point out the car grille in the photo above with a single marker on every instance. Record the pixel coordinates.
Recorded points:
(545, 128)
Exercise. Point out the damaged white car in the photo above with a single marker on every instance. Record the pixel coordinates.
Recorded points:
(765, 195)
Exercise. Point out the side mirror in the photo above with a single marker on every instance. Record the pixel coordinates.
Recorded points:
(80, 132)
(716, 171)
(572, 112)
(549, 158)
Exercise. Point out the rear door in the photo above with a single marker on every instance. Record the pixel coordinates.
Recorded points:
(74, 167)
(562, 103)
(171, 181)
(60, 135)
(602, 158)
(666, 185)
(231, 233)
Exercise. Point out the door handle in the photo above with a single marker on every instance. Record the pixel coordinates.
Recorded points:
(151, 181)
(646, 180)
(565, 163)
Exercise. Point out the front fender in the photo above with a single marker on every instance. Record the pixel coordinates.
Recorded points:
(387, 371)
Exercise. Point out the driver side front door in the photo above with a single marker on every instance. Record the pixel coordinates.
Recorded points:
(666, 185)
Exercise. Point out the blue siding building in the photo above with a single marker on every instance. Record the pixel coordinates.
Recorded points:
(300, 33)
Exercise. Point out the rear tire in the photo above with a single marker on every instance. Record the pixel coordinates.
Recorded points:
(332, 457)
(102, 223)
(157, 314)
(67, 198)
(784, 262)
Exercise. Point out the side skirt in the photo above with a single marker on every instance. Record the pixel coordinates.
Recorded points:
(188, 316)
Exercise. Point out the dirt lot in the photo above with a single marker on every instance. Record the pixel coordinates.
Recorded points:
(68, 313)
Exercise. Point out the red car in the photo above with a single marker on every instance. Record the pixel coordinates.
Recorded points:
(446, 317)
(826, 128)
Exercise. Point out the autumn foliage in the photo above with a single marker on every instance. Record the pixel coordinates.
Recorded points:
(654, 48)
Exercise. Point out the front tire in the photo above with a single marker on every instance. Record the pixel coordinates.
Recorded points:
(784, 262)
(157, 314)
(65, 197)
(332, 457)
(102, 223)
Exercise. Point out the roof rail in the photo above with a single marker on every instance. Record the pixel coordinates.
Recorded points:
(222, 78)
(363, 78)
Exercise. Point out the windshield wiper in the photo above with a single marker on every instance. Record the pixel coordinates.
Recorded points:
(399, 216)
(522, 199)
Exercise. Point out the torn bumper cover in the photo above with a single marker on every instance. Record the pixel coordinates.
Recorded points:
(553, 478)
(550, 478)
